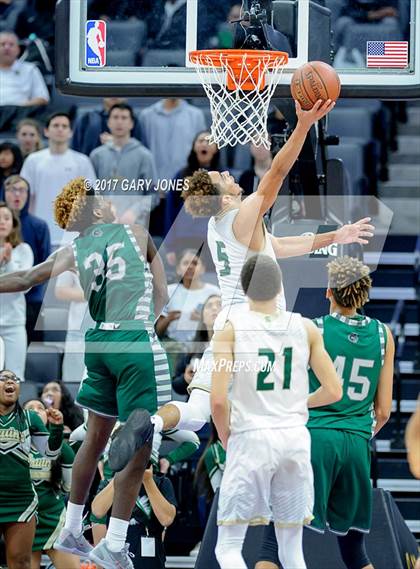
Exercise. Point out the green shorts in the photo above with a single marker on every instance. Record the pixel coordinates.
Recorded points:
(126, 370)
(343, 490)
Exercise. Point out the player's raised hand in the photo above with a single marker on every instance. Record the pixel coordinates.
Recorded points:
(355, 232)
(318, 111)
(55, 417)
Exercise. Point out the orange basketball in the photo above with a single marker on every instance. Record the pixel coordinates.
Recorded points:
(313, 81)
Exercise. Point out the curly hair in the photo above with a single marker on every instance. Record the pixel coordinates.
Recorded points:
(200, 195)
(72, 208)
(349, 282)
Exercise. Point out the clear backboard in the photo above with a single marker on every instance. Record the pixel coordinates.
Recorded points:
(141, 48)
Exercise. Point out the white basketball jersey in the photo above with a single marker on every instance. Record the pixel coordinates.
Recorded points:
(229, 256)
(270, 384)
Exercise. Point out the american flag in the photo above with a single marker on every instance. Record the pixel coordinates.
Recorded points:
(387, 54)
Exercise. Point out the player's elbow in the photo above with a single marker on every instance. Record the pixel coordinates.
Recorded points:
(168, 519)
(382, 415)
(336, 392)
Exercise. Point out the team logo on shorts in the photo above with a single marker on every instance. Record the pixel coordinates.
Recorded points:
(95, 43)
(353, 338)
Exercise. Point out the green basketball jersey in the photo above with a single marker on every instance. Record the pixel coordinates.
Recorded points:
(114, 274)
(357, 347)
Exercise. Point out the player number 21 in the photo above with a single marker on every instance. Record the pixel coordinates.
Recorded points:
(262, 383)
(116, 266)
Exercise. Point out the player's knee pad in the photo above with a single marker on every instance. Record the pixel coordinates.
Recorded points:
(196, 412)
(353, 550)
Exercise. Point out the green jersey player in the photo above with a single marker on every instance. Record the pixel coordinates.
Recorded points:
(363, 353)
(125, 285)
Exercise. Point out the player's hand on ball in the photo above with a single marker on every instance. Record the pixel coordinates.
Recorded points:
(318, 111)
(356, 232)
(55, 417)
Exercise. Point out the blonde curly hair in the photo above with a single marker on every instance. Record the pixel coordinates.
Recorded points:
(71, 206)
(200, 195)
(349, 281)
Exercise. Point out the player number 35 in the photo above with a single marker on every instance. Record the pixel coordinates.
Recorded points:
(116, 266)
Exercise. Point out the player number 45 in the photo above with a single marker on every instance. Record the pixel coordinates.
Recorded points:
(359, 385)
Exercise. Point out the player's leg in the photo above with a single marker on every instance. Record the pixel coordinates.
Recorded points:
(353, 550)
(230, 540)
(18, 538)
(189, 416)
(36, 559)
(290, 545)
(268, 555)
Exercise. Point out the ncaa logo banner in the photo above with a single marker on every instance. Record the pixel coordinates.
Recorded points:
(95, 43)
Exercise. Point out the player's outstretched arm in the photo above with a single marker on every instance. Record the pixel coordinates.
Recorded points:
(383, 397)
(323, 367)
(60, 261)
(223, 342)
(270, 185)
(358, 232)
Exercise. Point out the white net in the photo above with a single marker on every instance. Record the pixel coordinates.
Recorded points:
(239, 93)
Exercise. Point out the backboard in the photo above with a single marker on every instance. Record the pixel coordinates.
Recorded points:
(141, 48)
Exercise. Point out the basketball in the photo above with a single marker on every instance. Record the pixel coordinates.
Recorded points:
(313, 81)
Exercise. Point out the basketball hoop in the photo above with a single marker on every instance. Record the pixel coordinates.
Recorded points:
(235, 82)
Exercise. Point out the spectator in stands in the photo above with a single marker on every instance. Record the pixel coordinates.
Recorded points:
(155, 511)
(9, 11)
(91, 129)
(127, 159)
(68, 289)
(15, 255)
(202, 155)
(29, 136)
(365, 12)
(167, 24)
(21, 82)
(170, 123)
(10, 163)
(56, 395)
(186, 366)
(262, 159)
(181, 315)
(226, 30)
(48, 170)
(52, 480)
(37, 19)
(36, 234)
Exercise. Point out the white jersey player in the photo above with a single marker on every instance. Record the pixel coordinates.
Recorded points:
(236, 231)
(265, 353)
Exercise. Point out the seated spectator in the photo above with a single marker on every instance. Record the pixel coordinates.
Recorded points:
(29, 136)
(155, 511)
(167, 24)
(52, 480)
(168, 129)
(181, 315)
(15, 255)
(68, 288)
(187, 365)
(126, 158)
(48, 170)
(36, 234)
(202, 155)
(9, 11)
(365, 12)
(56, 395)
(226, 30)
(10, 163)
(37, 19)
(21, 82)
(91, 129)
(262, 159)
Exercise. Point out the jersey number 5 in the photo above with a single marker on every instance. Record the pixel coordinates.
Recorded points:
(223, 258)
(262, 384)
(116, 266)
(361, 384)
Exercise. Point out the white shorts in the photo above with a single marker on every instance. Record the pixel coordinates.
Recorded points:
(268, 476)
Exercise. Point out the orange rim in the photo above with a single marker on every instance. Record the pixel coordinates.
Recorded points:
(256, 63)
